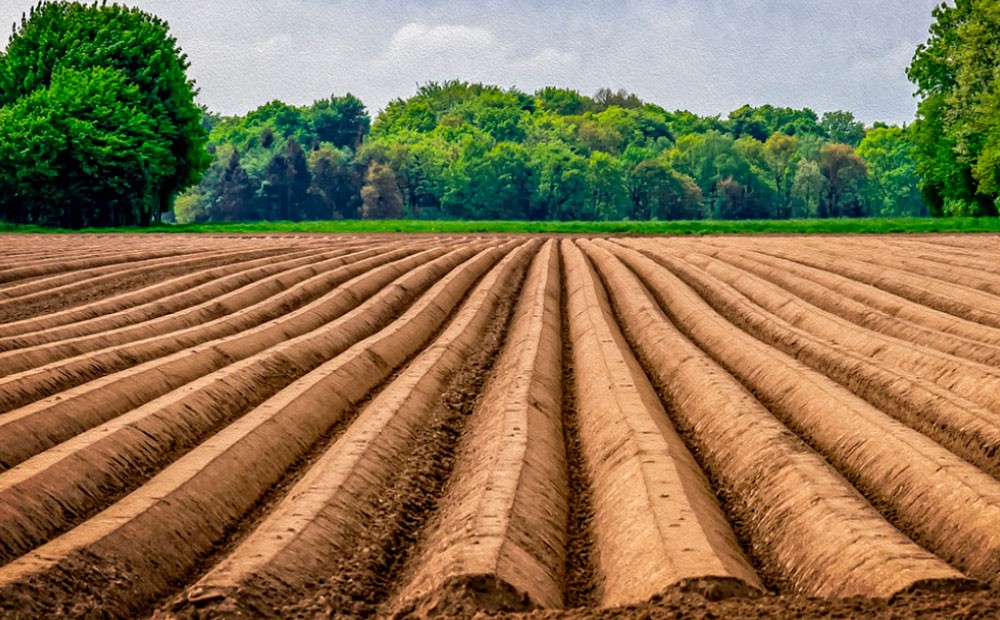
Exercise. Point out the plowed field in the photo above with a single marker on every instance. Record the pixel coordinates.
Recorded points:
(362, 426)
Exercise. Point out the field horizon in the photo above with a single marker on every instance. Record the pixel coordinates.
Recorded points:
(623, 227)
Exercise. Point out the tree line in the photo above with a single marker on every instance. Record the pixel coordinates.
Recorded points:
(462, 150)
(99, 127)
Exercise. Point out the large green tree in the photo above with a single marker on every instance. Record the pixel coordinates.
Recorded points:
(608, 188)
(380, 195)
(846, 173)
(760, 123)
(60, 46)
(808, 187)
(780, 154)
(235, 198)
(81, 152)
(341, 121)
(957, 132)
(336, 185)
(841, 127)
(889, 155)
(562, 191)
(658, 191)
(562, 101)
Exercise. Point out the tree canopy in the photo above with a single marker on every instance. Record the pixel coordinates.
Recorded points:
(98, 124)
(476, 151)
(957, 132)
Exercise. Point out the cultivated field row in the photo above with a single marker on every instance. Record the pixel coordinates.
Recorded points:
(281, 426)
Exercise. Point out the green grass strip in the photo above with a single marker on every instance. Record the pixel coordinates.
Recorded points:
(704, 227)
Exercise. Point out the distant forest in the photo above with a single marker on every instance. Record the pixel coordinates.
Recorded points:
(471, 151)
(99, 127)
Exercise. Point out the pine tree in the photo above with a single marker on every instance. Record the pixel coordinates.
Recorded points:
(235, 196)
(298, 180)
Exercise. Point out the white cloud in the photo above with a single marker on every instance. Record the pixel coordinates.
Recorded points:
(273, 46)
(457, 51)
(549, 60)
(708, 56)
(423, 40)
(441, 50)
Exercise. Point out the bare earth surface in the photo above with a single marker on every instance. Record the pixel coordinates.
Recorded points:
(355, 426)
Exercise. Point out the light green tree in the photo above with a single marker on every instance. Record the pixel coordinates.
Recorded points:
(957, 131)
(888, 154)
(780, 154)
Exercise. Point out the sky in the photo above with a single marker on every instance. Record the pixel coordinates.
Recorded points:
(706, 56)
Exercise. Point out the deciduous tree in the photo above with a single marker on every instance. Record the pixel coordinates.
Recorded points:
(82, 152)
(98, 42)
(658, 191)
(780, 153)
(845, 173)
(380, 195)
(843, 128)
(957, 131)
(888, 154)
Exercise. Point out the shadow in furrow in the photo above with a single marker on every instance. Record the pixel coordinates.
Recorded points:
(381, 554)
(581, 587)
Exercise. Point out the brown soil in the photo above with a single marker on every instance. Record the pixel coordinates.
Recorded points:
(170, 395)
(229, 313)
(377, 550)
(37, 305)
(581, 572)
(875, 309)
(499, 536)
(362, 586)
(100, 467)
(683, 606)
(783, 493)
(151, 302)
(657, 523)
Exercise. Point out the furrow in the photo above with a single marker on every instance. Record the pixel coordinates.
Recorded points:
(36, 427)
(183, 263)
(581, 582)
(173, 357)
(121, 560)
(969, 243)
(89, 248)
(76, 295)
(980, 259)
(974, 382)
(948, 505)
(498, 542)
(967, 429)
(656, 525)
(905, 259)
(152, 301)
(874, 308)
(960, 301)
(317, 525)
(18, 258)
(80, 476)
(78, 288)
(84, 266)
(228, 309)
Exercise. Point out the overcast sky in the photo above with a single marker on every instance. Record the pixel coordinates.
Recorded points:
(707, 56)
